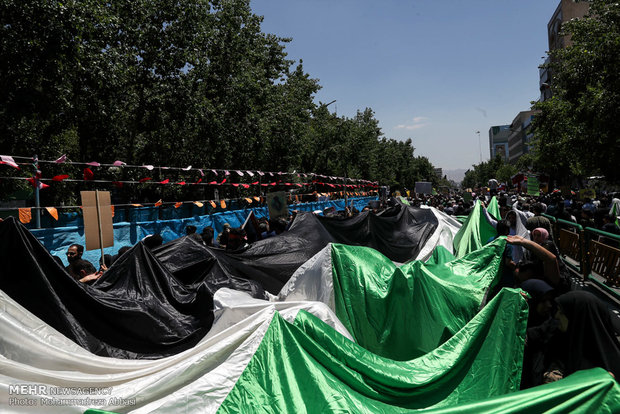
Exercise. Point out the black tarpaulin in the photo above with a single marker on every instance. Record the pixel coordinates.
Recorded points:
(152, 304)
(266, 265)
(398, 233)
(271, 262)
(137, 309)
(199, 267)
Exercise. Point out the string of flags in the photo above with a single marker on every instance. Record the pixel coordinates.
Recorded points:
(39, 181)
(222, 178)
(25, 214)
(89, 174)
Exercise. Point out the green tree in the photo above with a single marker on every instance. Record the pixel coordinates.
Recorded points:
(578, 131)
(177, 83)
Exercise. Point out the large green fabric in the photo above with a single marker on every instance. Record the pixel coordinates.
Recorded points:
(440, 255)
(404, 312)
(474, 233)
(493, 208)
(309, 367)
(461, 219)
(589, 391)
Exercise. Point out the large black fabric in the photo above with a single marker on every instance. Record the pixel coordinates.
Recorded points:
(398, 232)
(136, 310)
(266, 265)
(590, 340)
(152, 304)
(199, 267)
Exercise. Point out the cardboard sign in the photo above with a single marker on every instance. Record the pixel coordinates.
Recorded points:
(276, 202)
(423, 187)
(98, 228)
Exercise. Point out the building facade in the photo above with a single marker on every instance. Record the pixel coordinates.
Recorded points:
(521, 135)
(498, 141)
(566, 11)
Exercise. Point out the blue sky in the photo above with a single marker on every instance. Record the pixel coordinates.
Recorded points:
(435, 71)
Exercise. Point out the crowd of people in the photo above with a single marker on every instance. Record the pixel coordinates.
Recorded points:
(230, 239)
(568, 329)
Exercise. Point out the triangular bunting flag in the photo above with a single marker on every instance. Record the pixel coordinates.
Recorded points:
(88, 174)
(5, 159)
(36, 183)
(25, 215)
(53, 212)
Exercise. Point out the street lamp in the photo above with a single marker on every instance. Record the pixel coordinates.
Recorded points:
(479, 146)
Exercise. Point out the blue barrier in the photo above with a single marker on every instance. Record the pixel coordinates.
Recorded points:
(127, 233)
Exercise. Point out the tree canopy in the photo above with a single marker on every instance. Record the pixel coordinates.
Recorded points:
(577, 132)
(176, 83)
(480, 174)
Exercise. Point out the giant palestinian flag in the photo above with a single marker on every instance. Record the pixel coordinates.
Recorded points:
(378, 313)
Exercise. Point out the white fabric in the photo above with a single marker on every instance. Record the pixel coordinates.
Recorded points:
(198, 380)
(232, 306)
(615, 203)
(312, 281)
(518, 252)
(443, 235)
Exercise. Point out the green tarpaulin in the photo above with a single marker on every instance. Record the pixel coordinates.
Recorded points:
(309, 367)
(440, 255)
(380, 304)
(493, 208)
(475, 232)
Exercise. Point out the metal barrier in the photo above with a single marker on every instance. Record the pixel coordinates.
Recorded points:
(593, 254)
(571, 244)
(602, 257)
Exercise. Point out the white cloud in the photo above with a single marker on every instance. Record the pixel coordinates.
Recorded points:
(418, 122)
